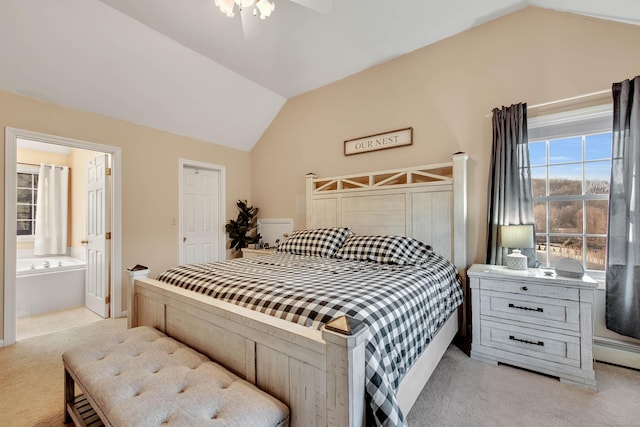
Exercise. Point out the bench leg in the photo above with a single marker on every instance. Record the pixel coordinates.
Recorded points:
(69, 395)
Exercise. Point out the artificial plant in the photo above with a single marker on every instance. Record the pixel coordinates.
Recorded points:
(242, 230)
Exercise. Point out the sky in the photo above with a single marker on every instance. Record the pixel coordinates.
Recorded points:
(565, 157)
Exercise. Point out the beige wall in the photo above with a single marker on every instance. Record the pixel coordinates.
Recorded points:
(149, 179)
(34, 157)
(444, 91)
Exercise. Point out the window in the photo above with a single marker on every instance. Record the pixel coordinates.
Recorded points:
(570, 155)
(27, 193)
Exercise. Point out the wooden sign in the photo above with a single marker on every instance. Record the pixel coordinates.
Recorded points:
(379, 141)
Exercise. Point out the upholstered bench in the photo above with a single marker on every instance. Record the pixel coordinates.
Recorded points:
(141, 377)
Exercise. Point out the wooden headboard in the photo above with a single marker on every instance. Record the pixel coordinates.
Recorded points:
(428, 203)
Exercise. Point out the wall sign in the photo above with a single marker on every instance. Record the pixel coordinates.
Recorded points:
(379, 141)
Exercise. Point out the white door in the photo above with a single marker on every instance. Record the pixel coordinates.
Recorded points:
(98, 209)
(200, 216)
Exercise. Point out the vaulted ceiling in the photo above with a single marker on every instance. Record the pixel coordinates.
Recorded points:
(184, 67)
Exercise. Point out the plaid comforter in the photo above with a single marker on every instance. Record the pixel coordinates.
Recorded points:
(404, 306)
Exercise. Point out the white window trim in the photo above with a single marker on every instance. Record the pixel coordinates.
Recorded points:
(594, 119)
(584, 120)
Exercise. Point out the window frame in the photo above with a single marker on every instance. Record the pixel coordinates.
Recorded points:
(579, 122)
(34, 170)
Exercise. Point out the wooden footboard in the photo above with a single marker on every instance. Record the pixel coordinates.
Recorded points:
(318, 374)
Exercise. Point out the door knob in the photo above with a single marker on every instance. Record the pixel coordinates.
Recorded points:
(184, 239)
(84, 241)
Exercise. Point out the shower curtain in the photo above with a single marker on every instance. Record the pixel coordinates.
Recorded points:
(51, 211)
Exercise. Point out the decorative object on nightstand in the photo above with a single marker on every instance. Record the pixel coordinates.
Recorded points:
(516, 237)
(569, 267)
(251, 253)
(534, 321)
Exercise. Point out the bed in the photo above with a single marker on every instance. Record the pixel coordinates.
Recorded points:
(319, 373)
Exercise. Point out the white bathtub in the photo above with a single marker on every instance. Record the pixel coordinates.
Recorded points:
(49, 284)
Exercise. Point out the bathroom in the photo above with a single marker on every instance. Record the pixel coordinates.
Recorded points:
(51, 266)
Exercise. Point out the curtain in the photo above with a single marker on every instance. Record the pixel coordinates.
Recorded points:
(510, 196)
(623, 254)
(51, 211)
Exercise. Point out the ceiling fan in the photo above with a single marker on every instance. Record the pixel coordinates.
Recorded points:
(253, 10)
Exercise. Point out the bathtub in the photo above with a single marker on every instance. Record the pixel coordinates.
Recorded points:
(46, 284)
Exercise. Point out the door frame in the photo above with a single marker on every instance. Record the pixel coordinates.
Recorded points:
(10, 218)
(222, 203)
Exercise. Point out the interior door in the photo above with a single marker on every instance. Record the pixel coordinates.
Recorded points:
(200, 216)
(98, 237)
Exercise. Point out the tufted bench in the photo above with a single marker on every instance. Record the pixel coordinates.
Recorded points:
(141, 377)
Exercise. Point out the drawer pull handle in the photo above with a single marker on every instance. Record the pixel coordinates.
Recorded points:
(539, 309)
(524, 288)
(540, 343)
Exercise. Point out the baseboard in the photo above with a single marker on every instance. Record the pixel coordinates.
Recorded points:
(1, 343)
(123, 313)
(616, 352)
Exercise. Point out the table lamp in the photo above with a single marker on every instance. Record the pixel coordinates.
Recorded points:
(516, 237)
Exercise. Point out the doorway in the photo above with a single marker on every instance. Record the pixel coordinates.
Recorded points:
(87, 152)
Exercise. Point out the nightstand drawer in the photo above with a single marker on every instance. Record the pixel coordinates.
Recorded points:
(556, 313)
(525, 343)
(530, 289)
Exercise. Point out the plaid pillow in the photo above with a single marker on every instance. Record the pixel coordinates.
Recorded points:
(384, 250)
(322, 242)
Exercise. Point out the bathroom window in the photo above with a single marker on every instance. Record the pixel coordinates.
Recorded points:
(27, 193)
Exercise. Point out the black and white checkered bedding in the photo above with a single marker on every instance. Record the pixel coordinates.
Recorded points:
(404, 306)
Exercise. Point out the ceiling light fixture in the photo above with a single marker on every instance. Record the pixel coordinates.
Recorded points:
(261, 7)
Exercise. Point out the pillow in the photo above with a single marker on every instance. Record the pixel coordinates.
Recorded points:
(322, 242)
(384, 249)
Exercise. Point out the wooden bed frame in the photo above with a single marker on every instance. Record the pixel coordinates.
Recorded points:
(319, 374)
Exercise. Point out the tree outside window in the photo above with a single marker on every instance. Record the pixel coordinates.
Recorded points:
(570, 183)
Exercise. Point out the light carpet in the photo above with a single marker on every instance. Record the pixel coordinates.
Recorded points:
(461, 392)
(32, 375)
(467, 392)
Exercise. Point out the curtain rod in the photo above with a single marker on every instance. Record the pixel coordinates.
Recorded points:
(573, 98)
(559, 101)
(33, 164)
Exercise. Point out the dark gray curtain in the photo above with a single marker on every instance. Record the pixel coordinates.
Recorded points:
(623, 253)
(510, 196)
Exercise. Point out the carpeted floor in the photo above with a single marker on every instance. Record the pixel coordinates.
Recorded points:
(32, 376)
(466, 392)
(461, 392)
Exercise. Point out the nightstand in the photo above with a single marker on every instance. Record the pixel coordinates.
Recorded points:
(534, 321)
(250, 253)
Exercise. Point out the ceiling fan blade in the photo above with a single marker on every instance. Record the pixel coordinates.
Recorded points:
(322, 6)
(250, 23)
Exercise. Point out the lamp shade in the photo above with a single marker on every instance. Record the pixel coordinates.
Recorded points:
(516, 236)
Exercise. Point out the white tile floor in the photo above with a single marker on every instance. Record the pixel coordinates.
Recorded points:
(43, 324)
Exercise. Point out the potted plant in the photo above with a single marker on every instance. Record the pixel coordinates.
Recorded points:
(242, 230)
